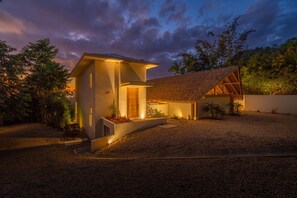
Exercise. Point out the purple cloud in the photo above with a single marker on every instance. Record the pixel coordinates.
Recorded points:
(149, 30)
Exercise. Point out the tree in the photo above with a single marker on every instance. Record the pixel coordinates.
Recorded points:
(223, 50)
(177, 69)
(271, 70)
(44, 78)
(13, 101)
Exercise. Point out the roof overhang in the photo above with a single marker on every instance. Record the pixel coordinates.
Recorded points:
(137, 84)
(87, 59)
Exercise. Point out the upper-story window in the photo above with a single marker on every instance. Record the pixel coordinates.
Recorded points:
(91, 79)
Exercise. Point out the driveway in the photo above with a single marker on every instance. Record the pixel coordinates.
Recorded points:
(29, 135)
(249, 134)
(54, 171)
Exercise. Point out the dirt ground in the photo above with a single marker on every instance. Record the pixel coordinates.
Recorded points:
(54, 171)
(251, 132)
(30, 130)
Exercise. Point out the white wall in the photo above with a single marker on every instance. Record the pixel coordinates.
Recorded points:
(85, 99)
(183, 110)
(123, 101)
(105, 91)
(222, 101)
(265, 103)
(133, 72)
(142, 101)
(160, 107)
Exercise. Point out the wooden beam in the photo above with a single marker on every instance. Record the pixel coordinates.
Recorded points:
(231, 85)
(239, 79)
(220, 89)
(236, 78)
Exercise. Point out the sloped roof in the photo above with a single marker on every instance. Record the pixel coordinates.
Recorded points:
(87, 58)
(188, 87)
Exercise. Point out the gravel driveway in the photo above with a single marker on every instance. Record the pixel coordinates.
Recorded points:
(54, 171)
(249, 133)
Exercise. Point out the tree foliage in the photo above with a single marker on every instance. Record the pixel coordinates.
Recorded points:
(264, 70)
(222, 50)
(271, 70)
(13, 100)
(34, 84)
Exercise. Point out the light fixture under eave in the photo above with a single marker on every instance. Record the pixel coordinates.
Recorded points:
(114, 60)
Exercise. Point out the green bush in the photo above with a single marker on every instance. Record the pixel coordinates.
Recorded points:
(155, 113)
(234, 108)
(214, 110)
(59, 111)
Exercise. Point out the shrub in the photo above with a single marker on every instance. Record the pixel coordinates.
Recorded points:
(155, 113)
(274, 110)
(175, 116)
(114, 110)
(234, 108)
(214, 110)
(59, 111)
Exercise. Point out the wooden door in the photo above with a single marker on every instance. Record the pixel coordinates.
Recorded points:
(132, 102)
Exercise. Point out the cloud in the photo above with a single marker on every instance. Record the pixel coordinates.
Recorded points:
(205, 7)
(137, 28)
(174, 12)
(262, 17)
(77, 36)
(10, 24)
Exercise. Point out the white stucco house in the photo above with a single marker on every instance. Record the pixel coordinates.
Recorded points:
(104, 79)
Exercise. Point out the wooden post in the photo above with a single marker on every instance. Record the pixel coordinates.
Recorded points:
(195, 111)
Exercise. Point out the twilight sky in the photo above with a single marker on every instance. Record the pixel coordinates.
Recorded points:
(152, 30)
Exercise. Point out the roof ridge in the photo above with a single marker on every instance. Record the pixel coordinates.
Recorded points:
(193, 72)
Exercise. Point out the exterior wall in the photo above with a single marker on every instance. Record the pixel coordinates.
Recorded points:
(130, 72)
(123, 101)
(142, 102)
(160, 107)
(183, 110)
(141, 99)
(105, 92)
(107, 77)
(220, 100)
(266, 103)
(85, 99)
(120, 130)
(133, 72)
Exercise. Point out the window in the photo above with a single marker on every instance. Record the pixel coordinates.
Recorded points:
(90, 116)
(91, 80)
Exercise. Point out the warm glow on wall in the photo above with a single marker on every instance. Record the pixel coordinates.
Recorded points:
(75, 111)
(142, 116)
(91, 80)
(90, 116)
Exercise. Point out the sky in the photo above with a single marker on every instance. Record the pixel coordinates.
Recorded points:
(152, 30)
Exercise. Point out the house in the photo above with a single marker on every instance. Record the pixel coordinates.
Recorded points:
(106, 79)
(186, 95)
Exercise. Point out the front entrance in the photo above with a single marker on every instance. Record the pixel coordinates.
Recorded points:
(132, 103)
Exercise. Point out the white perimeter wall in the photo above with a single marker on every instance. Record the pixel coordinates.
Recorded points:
(265, 103)
(183, 110)
(160, 107)
(222, 101)
(180, 109)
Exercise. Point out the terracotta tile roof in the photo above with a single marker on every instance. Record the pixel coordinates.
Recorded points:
(188, 87)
